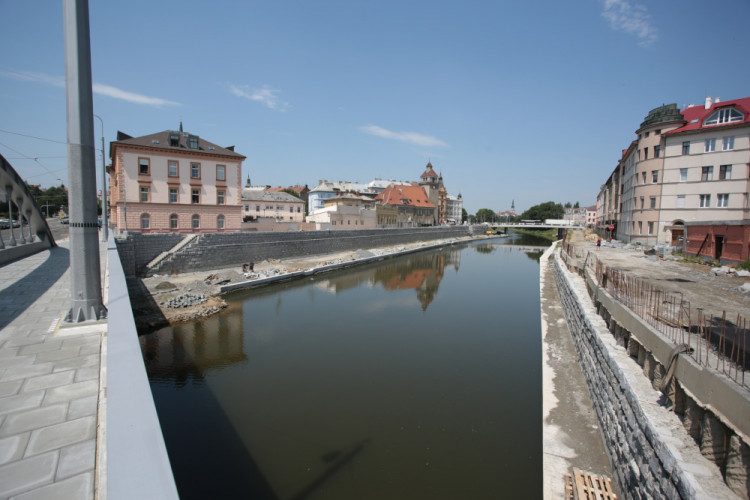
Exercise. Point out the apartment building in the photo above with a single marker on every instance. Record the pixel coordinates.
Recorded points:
(270, 204)
(174, 181)
(685, 181)
(345, 211)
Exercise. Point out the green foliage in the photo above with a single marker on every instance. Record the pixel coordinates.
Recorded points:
(485, 215)
(744, 266)
(547, 210)
(464, 215)
(290, 191)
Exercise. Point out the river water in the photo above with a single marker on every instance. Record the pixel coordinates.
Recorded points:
(415, 377)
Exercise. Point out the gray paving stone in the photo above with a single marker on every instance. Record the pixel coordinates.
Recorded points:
(48, 381)
(77, 487)
(22, 372)
(82, 340)
(46, 345)
(75, 363)
(12, 447)
(83, 407)
(88, 373)
(10, 388)
(26, 474)
(72, 391)
(37, 418)
(60, 435)
(58, 355)
(76, 458)
(21, 402)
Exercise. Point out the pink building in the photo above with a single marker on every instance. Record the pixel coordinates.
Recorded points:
(173, 181)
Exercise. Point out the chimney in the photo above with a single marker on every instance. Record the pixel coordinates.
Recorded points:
(708, 102)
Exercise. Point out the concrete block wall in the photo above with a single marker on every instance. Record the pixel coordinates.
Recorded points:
(137, 249)
(651, 455)
(220, 250)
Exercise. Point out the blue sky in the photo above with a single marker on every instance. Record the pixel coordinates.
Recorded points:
(524, 101)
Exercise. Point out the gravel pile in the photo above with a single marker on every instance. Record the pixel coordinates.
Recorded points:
(185, 300)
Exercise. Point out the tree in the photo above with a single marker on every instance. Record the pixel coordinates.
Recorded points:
(485, 215)
(464, 215)
(547, 210)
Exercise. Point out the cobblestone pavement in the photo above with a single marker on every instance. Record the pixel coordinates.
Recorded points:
(49, 383)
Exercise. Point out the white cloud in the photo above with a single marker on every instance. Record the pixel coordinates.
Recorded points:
(97, 88)
(408, 137)
(124, 95)
(264, 95)
(632, 19)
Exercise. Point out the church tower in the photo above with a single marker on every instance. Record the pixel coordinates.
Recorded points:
(431, 185)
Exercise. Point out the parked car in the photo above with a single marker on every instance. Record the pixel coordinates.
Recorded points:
(4, 224)
(64, 219)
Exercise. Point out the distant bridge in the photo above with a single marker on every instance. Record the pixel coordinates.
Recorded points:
(532, 225)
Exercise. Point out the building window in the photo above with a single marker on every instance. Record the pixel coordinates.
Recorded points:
(725, 172)
(657, 131)
(247, 208)
(680, 201)
(173, 169)
(220, 222)
(683, 175)
(642, 202)
(650, 227)
(193, 141)
(173, 221)
(145, 221)
(172, 195)
(707, 173)
(174, 139)
(643, 174)
(195, 196)
(195, 170)
(654, 176)
(298, 210)
(722, 200)
(657, 151)
(291, 210)
(645, 153)
(144, 194)
(728, 143)
(725, 115)
(640, 227)
(219, 197)
(196, 221)
(144, 166)
(705, 200)
(221, 173)
(257, 208)
(652, 201)
(686, 147)
(269, 207)
(710, 146)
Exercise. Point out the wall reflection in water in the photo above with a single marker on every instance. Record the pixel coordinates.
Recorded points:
(186, 352)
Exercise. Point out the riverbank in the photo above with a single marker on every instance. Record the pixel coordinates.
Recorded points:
(163, 300)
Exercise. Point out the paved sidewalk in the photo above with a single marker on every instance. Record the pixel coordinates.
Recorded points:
(49, 383)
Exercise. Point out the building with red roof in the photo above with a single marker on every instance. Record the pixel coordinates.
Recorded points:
(685, 181)
(411, 203)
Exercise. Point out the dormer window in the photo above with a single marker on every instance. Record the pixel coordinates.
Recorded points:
(174, 139)
(724, 115)
(193, 141)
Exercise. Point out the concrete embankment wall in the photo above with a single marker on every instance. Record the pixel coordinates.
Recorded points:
(219, 250)
(654, 453)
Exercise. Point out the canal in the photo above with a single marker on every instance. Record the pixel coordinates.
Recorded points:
(415, 377)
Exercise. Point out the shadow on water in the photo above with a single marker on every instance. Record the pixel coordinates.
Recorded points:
(338, 461)
(35, 284)
(213, 450)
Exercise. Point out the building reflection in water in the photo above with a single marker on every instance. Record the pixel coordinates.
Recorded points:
(421, 272)
(185, 352)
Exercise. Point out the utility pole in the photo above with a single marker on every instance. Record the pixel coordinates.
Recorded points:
(105, 230)
(85, 280)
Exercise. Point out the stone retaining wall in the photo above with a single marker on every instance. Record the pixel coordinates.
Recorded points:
(219, 250)
(651, 454)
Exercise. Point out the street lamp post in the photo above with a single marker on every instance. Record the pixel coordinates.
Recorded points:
(105, 231)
